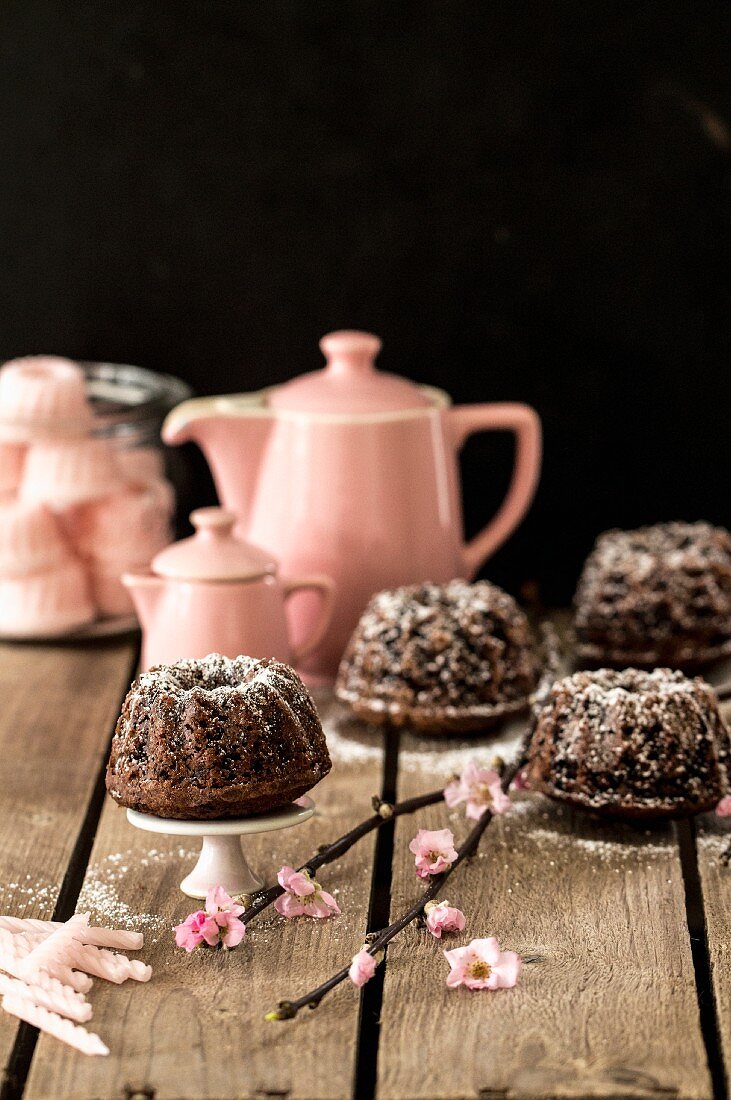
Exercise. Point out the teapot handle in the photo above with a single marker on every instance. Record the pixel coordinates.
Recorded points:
(465, 420)
(326, 587)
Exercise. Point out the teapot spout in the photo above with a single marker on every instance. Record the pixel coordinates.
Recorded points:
(145, 590)
(232, 433)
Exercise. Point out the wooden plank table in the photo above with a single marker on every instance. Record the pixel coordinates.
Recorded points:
(626, 991)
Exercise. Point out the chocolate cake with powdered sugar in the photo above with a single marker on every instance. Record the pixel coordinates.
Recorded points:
(631, 744)
(659, 595)
(440, 658)
(216, 738)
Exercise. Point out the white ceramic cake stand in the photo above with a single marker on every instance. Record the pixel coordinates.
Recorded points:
(222, 861)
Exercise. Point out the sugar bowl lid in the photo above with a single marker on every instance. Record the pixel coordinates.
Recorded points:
(214, 552)
(349, 383)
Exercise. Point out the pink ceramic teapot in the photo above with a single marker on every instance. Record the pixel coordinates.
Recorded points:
(353, 472)
(215, 593)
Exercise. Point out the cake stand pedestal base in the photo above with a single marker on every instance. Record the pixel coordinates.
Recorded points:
(222, 861)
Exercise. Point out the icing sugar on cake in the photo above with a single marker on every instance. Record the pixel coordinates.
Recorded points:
(439, 657)
(631, 743)
(216, 737)
(657, 595)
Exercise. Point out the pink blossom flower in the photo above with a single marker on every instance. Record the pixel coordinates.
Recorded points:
(362, 968)
(217, 900)
(480, 789)
(303, 896)
(482, 965)
(217, 923)
(195, 930)
(520, 783)
(433, 850)
(443, 918)
(723, 809)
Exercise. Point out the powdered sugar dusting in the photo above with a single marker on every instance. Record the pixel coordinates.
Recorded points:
(439, 651)
(105, 892)
(660, 594)
(647, 742)
(353, 742)
(28, 895)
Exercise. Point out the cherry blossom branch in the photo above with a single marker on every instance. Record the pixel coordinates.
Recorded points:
(287, 1010)
(384, 811)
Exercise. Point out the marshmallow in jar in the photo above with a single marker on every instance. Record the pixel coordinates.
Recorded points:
(83, 492)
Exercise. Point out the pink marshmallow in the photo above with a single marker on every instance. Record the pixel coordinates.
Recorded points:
(49, 602)
(42, 396)
(63, 473)
(124, 530)
(12, 456)
(30, 538)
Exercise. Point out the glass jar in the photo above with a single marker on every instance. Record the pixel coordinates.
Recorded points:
(130, 403)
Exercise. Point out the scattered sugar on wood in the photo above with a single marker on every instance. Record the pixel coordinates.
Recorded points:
(103, 891)
(353, 742)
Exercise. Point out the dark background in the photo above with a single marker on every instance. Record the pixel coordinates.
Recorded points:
(526, 200)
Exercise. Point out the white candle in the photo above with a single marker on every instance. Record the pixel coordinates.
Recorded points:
(61, 998)
(118, 938)
(71, 1034)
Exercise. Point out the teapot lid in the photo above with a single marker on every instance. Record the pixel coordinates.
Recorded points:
(349, 382)
(214, 552)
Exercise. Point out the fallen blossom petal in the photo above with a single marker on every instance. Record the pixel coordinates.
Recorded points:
(222, 902)
(507, 971)
(287, 905)
(723, 809)
(442, 918)
(188, 934)
(482, 965)
(233, 933)
(362, 968)
(433, 851)
(296, 882)
(326, 905)
(480, 788)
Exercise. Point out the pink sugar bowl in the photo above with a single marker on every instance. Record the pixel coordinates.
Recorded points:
(83, 492)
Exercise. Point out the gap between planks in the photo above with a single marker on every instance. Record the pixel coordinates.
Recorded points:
(713, 836)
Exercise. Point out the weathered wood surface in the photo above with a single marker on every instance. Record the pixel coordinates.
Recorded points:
(58, 705)
(714, 838)
(197, 1029)
(609, 1006)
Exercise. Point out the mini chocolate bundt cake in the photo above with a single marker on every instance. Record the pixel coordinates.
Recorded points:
(215, 738)
(441, 658)
(656, 596)
(631, 743)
